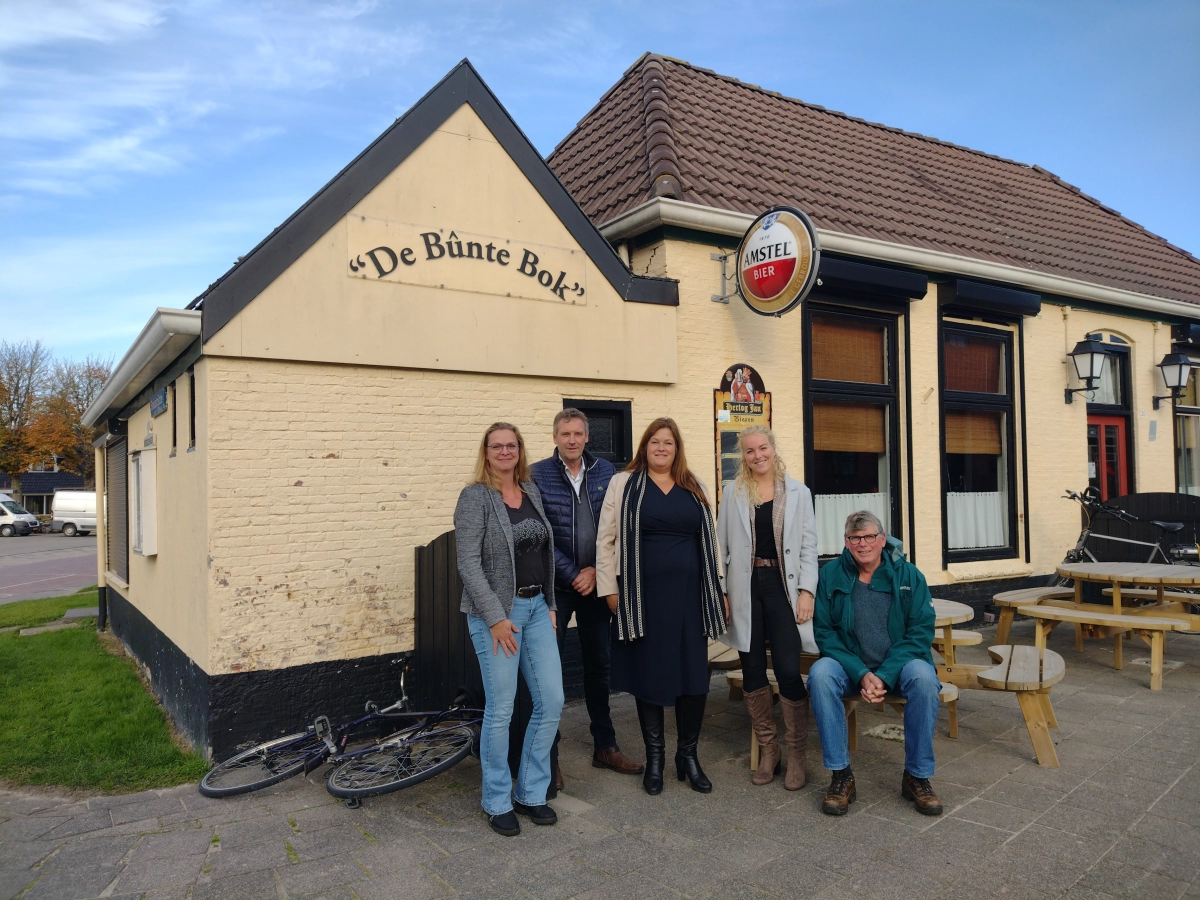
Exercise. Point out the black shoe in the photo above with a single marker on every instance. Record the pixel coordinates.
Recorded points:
(689, 714)
(538, 815)
(505, 824)
(650, 717)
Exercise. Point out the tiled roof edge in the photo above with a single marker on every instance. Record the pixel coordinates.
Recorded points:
(1046, 173)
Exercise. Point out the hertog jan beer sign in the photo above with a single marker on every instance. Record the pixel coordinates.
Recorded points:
(777, 261)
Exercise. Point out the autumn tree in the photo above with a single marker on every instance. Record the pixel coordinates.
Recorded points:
(24, 372)
(56, 428)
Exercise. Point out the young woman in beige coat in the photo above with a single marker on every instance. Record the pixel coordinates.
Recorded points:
(768, 537)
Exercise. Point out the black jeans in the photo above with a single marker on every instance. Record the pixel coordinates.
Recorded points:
(592, 618)
(772, 619)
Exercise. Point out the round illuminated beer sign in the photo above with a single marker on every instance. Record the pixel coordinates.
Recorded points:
(777, 261)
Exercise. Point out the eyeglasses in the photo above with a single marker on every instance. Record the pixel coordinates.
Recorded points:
(857, 539)
(508, 448)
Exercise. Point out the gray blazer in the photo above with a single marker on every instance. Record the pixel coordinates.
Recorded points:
(487, 561)
(799, 557)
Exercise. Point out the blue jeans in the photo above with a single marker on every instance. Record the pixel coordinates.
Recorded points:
(828, 683)
(538, 661)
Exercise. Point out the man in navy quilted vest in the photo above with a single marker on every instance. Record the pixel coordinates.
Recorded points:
(573, 482)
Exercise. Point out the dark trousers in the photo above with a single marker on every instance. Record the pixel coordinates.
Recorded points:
(772, 619)
(592, 618)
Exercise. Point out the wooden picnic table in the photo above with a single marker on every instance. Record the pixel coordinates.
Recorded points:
(1143, 575)
(949, 613)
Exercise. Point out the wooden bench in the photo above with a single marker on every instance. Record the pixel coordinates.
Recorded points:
(1008, 601)
(958, 638)
(1029, 672)
(1090, 618)
(721, 657)
(948, 695)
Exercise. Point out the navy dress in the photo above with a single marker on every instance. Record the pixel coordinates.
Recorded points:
(672, 659)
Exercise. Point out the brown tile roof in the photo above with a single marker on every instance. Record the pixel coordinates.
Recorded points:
(668, 128)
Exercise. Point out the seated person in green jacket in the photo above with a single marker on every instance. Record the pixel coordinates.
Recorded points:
(873, 623)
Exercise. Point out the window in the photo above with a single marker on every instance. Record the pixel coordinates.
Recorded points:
(610, 428)
(1110, 431)
(1187, 439)
(977, 439)
(852, 464)
(174, 417)
(116, 507)
(191, 374)
(143, 499)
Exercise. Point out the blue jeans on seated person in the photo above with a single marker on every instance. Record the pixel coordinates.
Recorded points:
(538, 661)
(828, 684)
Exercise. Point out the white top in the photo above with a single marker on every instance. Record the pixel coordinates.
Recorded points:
(576, 480)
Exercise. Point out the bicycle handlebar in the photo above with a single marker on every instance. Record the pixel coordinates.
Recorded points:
(1090, 500)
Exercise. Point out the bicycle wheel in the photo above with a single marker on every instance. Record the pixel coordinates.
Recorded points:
(400, 764)
(259, 767)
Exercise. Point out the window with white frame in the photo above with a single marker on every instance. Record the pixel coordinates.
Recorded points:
(143, 502)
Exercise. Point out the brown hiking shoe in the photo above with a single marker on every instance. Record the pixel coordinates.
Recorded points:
(613, 758)
(920, 791)
(840, 795)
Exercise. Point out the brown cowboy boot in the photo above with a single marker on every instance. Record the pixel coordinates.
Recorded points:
(795, 720)
(920, 791)
(841, 793)
(760, 703)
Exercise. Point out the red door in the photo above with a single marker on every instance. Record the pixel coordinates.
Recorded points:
(1108, 467)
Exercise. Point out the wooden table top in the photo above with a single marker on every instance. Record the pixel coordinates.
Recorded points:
(951, 612)
(1132, 573)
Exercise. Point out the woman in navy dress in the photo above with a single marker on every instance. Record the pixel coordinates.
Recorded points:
(657, 568)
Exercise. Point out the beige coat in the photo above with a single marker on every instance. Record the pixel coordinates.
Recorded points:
(608, 547)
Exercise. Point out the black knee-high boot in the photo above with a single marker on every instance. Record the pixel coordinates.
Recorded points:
(650, 717)
(689, 714)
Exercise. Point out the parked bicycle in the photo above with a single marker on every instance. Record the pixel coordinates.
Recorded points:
(428, 744)
(1093, 507)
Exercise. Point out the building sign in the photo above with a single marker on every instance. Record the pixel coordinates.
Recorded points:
(777, 261)
(158, 402)
(448, 257)
(741, 400)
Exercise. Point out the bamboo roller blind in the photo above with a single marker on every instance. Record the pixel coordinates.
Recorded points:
(847, 350)
(848, 428)
(973, 433)
(973, 364)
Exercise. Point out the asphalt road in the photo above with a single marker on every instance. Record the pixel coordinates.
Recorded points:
(45, 565)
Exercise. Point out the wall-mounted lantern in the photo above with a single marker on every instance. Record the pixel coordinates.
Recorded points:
(1088, 357)
(1176, 368)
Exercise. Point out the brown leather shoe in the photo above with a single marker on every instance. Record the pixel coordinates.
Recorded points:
(614, 759)
(840, 795)
(920, 791)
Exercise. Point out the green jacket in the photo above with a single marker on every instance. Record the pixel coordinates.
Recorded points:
(910, 622)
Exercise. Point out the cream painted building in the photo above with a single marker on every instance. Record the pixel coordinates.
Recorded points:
(271, 456)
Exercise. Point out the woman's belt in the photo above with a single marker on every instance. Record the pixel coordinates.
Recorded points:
(764, 563)
(526, 592)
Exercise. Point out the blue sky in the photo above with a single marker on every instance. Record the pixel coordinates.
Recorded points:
(146, 146)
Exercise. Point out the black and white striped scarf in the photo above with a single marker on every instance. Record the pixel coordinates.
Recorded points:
(630, 622)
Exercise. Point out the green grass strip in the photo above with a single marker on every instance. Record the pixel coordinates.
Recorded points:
(78, 716)
(27, 613)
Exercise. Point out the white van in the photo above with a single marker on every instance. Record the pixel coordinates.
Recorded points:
(73, 512)
(15, 519)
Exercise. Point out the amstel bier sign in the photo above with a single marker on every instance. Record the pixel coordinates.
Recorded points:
(777, 261)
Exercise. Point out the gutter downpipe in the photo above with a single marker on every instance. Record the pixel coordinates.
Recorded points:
(101, 538)
(665, 211)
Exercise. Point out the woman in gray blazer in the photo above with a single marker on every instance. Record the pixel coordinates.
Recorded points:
(506, 561)
(768, 537)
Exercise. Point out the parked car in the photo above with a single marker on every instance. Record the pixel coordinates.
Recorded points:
(15, 519)
(73, 512)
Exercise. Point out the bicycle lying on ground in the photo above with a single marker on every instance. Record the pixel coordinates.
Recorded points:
(1093, 507)
(428, 744)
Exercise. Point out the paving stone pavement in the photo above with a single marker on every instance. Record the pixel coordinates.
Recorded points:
(1120, 818)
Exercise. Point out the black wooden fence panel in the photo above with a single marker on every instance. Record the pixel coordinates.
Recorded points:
(445, 659)
(1162, 506)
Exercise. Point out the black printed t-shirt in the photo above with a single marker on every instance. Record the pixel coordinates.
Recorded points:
(529, 542)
